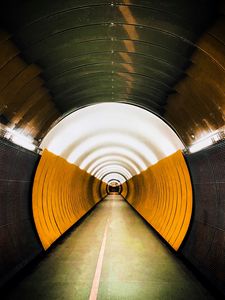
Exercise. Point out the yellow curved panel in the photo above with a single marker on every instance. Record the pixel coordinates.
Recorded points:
(62, 194)
(162, 194)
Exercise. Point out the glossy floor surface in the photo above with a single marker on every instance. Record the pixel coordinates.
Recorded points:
(131, 263)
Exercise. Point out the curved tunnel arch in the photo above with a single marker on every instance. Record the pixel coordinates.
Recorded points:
(121, 178)
(118, 119)
(126, 164)
(112, 180)
(166, 57)
(109, 129)
(113, 168)
(113, 148)
(124, 178)
(113, 158)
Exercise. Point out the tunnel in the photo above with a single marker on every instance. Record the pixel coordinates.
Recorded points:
(112, 149)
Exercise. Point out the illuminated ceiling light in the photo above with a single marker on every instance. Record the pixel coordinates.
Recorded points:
(114, 176)
(200, 145)
(118, 158)
(19, 139)
(112, 125)
(205, 141)
(111, 172)
(129, 167)
(118, 151)
(119, 139)
(23, 142)
(112, 169)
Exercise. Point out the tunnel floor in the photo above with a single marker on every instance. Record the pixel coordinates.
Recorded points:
(131, 262)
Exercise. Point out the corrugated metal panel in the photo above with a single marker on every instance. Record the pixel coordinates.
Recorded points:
(19, 242)
(205, 243)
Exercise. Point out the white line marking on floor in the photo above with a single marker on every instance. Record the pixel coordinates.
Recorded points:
(96, 280)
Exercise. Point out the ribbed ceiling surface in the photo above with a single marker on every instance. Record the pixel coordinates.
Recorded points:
(131, 51)
(112, 137)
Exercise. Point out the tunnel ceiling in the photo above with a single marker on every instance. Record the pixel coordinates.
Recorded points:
(131, 51)
(112, 138)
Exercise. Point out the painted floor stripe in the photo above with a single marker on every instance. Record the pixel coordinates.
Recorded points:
(96, 280)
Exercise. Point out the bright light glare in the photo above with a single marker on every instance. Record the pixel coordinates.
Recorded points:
(201, 144)
(119, 150)
(112, 158)
(113, 169)
(115, 176)
(127, 141)
(111, 162)
(105, 129)
(20, 139)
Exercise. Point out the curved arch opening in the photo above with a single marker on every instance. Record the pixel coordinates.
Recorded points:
(123, 149)
(112, 134)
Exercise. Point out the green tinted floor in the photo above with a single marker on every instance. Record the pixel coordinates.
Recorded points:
(136, 264)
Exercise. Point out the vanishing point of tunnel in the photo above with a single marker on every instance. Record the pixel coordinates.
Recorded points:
(112, 149)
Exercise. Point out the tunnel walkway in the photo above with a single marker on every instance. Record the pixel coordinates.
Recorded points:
(113, 254)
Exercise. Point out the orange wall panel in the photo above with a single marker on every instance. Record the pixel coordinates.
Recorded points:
(162, 194)
(62, 194)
